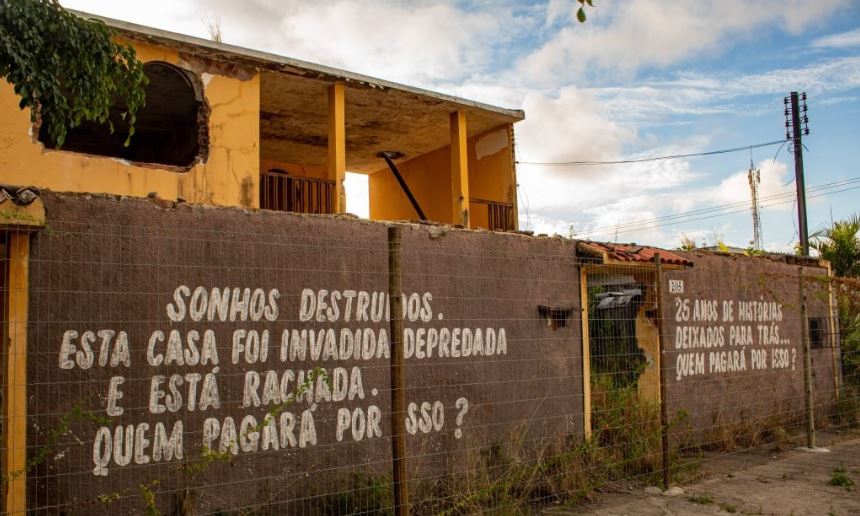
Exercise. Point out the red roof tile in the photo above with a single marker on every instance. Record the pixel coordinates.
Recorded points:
(632, 253)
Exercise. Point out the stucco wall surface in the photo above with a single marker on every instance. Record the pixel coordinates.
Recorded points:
(491, 178)
(228, 177)
(145, 383)
(734, 346)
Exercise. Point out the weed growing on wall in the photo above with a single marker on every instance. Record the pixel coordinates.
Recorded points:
(62, 428)
(363, 493)
(725, 436)
(626, 428)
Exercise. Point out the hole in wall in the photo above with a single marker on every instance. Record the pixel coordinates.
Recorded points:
(171, 128)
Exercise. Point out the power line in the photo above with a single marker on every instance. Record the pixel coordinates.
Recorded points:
(720, 207)
(737, 207)
(719, 213)
(712, 216)
(656, 158)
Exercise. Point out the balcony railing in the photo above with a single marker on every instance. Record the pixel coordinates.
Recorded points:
(500, 215)
(283, 192)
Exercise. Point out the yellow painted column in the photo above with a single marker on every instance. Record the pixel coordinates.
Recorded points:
(459, 169)
(337, 145)
(15, 422)
(586, 354)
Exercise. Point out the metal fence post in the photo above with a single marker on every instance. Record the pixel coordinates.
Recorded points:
(398, 376)
(807, 365)
(664, 416)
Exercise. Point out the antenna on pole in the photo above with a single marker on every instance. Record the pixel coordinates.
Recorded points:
(754, 176)
(797, 126)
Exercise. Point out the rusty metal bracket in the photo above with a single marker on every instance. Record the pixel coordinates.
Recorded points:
(389, 156)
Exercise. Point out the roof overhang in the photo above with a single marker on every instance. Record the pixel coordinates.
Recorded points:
(380, 115)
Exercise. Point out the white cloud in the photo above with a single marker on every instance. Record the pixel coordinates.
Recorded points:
(695, 94)
(734, 190)
(163, 14)
(569, 126)
(839, 99)
(557, 10)
(661, 33)
(846, 39)
(472, 49)
(417, 42)
(651, 202)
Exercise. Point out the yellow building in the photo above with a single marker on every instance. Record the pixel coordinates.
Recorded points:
(229, 126)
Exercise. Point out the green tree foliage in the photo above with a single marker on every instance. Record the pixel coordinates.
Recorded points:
(840, 245)
(66, 69)
(580, 13)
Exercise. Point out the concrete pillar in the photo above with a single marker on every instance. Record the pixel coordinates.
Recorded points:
(337, 145)
(459, 169)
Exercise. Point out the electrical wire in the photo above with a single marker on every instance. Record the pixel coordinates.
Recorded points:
(652, 225)
(713, 216)
(744, 204)
(720, 210)
(655, 158)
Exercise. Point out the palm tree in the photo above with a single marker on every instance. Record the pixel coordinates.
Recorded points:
(840, 245)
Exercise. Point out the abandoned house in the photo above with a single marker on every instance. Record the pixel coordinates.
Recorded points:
(228, 126)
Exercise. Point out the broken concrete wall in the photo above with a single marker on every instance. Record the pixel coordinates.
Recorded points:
(226, 175)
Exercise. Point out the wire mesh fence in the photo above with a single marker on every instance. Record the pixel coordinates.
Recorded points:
(168, 359)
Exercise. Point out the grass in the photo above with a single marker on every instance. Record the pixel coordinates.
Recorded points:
(846, 411)
(727, 436)
(840, 478)
(521, 474)
(703, 499)
(367, 494)
(523, 471)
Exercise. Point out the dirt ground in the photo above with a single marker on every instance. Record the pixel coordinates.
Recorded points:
(751, 482)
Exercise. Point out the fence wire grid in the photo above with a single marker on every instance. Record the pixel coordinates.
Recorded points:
(211, 361)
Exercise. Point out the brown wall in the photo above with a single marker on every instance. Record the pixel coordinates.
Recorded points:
(106, 263)
(714, 399)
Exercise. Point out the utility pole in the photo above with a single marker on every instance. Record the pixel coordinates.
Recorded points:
(795, 115)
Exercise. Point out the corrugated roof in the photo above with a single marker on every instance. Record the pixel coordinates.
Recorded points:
(631, 253)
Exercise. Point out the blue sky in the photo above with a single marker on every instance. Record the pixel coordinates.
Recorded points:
(641, 78)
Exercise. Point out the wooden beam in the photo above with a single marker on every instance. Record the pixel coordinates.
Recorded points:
(459, 169)
(15, 399)
(586, 354)
(337, 145)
